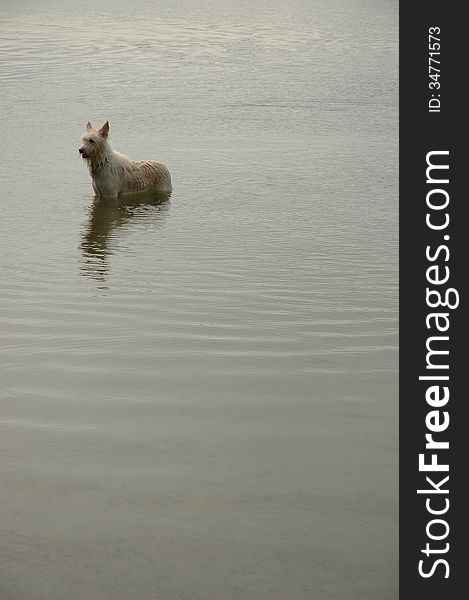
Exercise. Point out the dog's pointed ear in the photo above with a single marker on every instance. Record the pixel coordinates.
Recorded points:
(88, 126)
(104, 130)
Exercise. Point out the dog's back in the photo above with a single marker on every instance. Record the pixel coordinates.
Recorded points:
(147, 175)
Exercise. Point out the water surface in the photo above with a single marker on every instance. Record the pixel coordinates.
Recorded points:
(198, 393)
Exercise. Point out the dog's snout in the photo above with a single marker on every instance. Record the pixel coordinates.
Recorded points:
(80, 150)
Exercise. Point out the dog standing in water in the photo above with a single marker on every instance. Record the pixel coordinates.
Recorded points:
(112, 173)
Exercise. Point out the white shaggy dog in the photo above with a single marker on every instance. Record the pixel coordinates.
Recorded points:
(112, 173)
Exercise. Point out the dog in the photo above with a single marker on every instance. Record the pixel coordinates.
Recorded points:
(112, 173)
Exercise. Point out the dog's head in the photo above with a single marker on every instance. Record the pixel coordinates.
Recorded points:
(93, 141)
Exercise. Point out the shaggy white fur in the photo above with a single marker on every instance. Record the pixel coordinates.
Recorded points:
(112, 173)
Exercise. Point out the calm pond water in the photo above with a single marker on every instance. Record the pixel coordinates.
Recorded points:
(199, 395)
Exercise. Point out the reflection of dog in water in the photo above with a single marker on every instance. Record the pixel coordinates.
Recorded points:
(106, 217)
(112, 173)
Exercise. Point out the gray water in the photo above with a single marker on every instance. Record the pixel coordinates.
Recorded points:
(199, 395)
